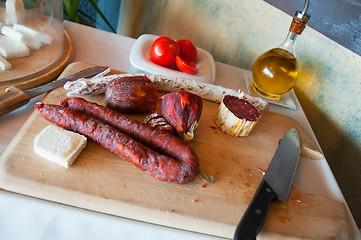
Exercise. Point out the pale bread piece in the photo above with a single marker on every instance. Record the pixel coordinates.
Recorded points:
(4, 65)
(11, 49)
(59, 145)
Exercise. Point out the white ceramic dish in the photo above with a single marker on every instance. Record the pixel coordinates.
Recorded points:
(140, 59)
(285, 101)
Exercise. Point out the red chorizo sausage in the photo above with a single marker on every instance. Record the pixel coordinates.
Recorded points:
(157, 140)
(157, 165)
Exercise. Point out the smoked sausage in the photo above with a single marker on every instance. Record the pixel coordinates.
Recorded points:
(155, 139)
(166, 168)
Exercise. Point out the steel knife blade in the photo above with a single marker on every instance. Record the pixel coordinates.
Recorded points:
(275, 184)
(13, 97)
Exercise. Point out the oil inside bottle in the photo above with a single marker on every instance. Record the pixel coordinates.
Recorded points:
(274, 73)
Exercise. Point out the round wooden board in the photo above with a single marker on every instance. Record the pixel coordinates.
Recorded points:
(44, 75)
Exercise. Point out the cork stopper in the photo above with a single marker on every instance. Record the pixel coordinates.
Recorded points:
(299, 23)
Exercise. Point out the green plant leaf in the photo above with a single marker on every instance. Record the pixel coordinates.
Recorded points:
(71, 9)
(86, 15)
(101, 15)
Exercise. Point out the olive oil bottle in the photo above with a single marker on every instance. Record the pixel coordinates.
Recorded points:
(275, 72)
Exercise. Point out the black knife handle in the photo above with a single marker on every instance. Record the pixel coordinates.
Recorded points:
(255, 215)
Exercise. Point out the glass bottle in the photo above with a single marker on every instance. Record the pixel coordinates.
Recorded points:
(275, 72)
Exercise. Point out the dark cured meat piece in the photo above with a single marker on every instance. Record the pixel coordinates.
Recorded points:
(182, 111)
(157, 165)
(241, 108)
(136, 94)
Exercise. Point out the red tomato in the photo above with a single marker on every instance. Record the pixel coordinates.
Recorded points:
(163, 51)
(187, 50)
(186, 66)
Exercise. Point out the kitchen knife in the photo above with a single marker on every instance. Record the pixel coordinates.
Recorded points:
(14, 98)
(275, 184)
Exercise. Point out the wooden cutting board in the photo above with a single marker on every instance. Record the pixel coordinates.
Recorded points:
(103, 182)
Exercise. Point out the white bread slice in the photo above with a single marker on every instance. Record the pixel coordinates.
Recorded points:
(4, 65)
(59, 145)
(10, 49)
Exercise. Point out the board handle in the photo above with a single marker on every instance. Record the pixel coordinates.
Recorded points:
(11, 99)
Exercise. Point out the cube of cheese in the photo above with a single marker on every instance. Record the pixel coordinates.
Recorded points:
(21, 36)
(59, 145)
(42, 37)
(11, 33)
(10, 49)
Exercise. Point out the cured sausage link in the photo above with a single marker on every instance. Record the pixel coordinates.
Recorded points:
(157, 165)
(157, 140)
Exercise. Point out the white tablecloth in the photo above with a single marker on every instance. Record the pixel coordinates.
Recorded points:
(23, 217)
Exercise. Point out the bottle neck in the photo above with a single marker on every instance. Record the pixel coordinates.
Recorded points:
(298, 24)
(289, 43)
